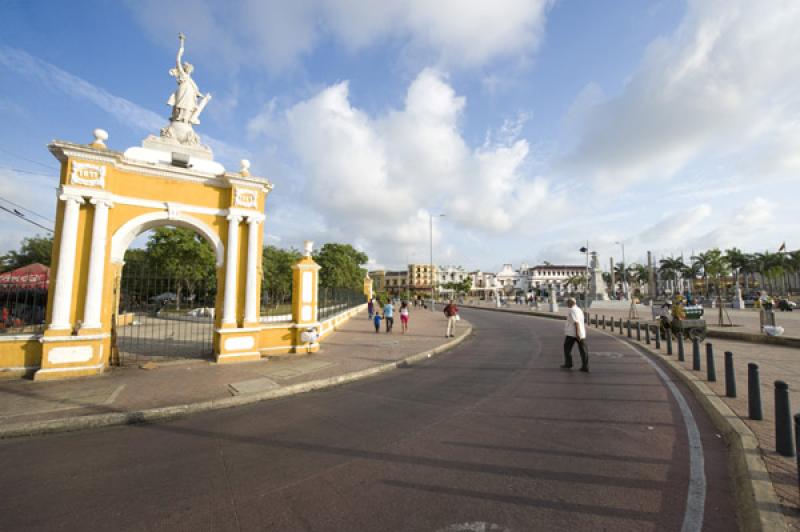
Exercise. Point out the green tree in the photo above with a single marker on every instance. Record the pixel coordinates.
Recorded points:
(31, 250)
(276, 284)
(183, 255)
(340, 266)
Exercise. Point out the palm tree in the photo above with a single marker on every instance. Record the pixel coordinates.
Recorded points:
(691, 272)
(716, 267)
(639, 274)
(737, 261)
(700, 265)
(671, 269)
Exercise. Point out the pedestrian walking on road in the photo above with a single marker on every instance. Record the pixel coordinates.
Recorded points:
(371, 307)
(575, 332)
(404, 316)
(388, 315)
(377, 321)
(451, 313)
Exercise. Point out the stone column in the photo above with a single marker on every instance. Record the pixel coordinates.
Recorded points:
(62, 298)
(97, 261)
(231, 270)
(253, 249)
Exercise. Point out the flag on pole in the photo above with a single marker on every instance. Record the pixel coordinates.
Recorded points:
(782, 248)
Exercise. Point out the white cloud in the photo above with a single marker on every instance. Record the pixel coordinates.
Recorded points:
(276, 34)
(377, 178)
(720, 86)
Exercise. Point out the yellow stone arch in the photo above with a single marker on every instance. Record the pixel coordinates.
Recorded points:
(105, 199)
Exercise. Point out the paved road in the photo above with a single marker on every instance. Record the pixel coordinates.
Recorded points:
(490, 436)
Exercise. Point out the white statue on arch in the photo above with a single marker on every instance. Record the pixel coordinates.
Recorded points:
(187, 101)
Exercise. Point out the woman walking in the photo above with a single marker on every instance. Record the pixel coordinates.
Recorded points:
(404, 316)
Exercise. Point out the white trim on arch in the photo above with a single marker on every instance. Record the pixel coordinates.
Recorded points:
(132, 228)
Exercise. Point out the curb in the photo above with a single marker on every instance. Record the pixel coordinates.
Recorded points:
(149, 415)
(758, 506)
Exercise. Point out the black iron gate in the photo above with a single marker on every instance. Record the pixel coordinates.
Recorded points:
(161, 319)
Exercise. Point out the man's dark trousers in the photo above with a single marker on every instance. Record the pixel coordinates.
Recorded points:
(569, 341)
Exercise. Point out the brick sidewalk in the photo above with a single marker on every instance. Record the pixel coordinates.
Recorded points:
(354, 347)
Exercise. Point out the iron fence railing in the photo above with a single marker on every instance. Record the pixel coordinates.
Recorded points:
(22, 309)
(333, 301)
(162, 317)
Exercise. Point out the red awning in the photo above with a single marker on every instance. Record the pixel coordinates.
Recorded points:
(31, 276)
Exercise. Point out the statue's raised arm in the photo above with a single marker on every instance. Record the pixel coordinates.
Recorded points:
(179, 58)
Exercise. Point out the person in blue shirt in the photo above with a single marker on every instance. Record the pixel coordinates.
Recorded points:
(377, 321)
(388, 315)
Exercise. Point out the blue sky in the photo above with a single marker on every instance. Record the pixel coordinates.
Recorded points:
(534, 125)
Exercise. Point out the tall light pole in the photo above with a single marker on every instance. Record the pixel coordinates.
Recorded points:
(433, 276)
(624, 275)
(586, 278)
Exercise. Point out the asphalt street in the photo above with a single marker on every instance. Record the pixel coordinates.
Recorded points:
(489, 436)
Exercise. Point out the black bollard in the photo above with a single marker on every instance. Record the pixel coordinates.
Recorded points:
(658, 338)
(638, 332)
(695, 354)
(668, 335)
(647, 334)
(711, 371)
(754, 392)
(681, 352)
(797, 441)
(783, 420)
(730, 376)
(628, 327)
(620, 325)
(604, 322)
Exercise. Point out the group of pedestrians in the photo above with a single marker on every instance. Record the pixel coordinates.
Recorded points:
(375, 316)
(378, 313)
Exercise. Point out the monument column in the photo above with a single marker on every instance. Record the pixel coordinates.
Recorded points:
(251, 288)
(97, 256)
(231, 270)
(62, 298)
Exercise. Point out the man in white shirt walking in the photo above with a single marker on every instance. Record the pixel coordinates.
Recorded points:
(575, 331)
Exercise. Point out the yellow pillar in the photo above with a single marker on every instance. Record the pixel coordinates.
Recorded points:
(368, 287)
(305, 284)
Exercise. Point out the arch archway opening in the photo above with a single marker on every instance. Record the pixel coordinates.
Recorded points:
(166, 292)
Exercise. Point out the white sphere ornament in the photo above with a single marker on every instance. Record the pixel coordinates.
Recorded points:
(100, 137)
(244, 168)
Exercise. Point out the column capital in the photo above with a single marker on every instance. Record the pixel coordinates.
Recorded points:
(255, 218)
(102, 201)
(236, 218)
(70, 197)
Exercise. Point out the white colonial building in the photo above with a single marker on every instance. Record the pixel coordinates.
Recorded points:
(513, 282)
(541, 277)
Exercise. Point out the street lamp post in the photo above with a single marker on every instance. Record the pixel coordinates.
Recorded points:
(433, 276)
(586, 279)
(624, 275)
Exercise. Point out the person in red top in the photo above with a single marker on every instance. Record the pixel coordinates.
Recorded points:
(451, 313)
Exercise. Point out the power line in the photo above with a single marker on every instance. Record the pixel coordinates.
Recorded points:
(22, 216)
(21, 171)
(45, 218)
(18, 156)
